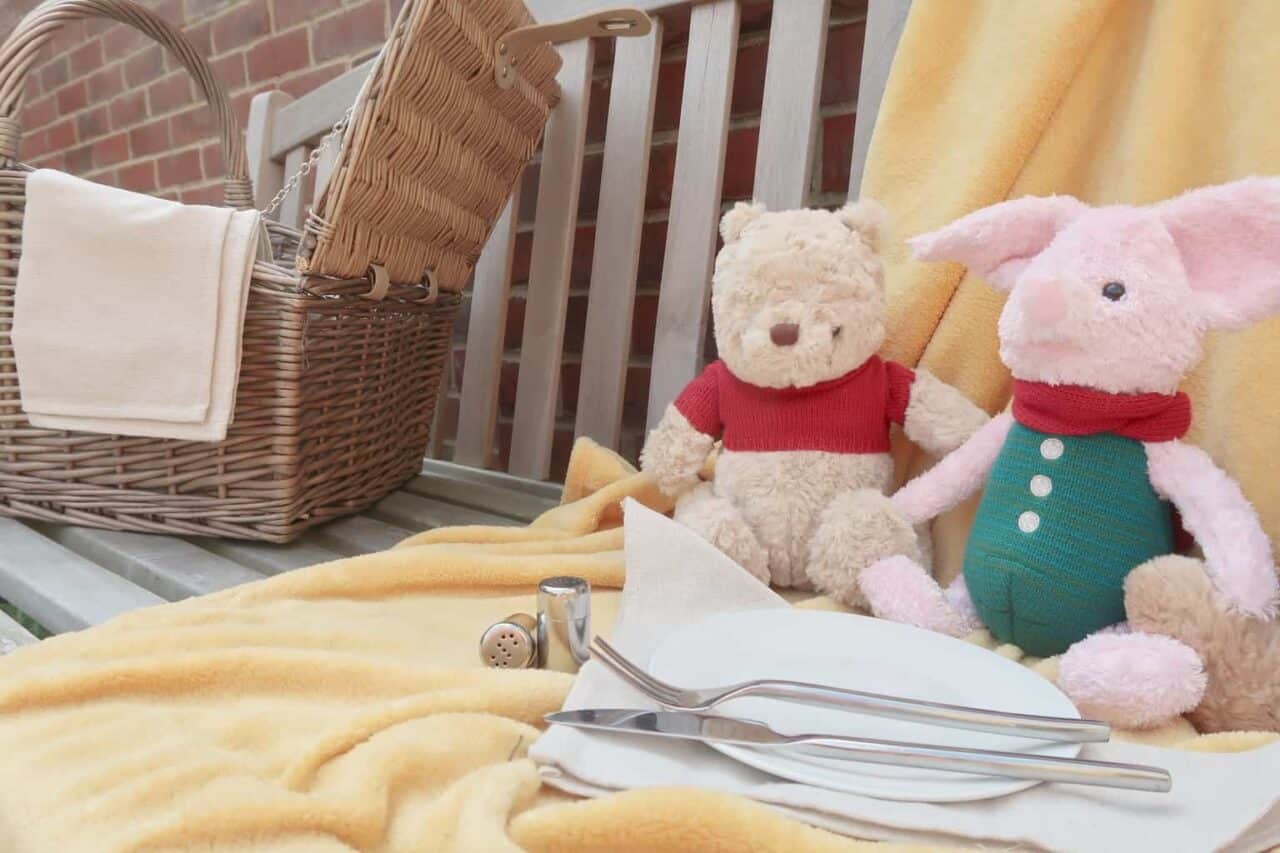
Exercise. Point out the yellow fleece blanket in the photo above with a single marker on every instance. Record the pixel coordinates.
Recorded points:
(1112, 101)
(343, 707)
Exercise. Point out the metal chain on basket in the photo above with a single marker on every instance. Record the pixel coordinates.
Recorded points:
(310, 163)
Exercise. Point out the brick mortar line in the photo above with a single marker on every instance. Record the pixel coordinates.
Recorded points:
(197, 147)
(747, 40)
(750, 39)
(741, 121)
(759, 37)
(112, 61)
(142, 89)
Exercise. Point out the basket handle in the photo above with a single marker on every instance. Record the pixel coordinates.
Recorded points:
(19, 52)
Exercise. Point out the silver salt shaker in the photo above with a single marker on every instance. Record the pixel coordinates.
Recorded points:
(564, 623)
(511, 643)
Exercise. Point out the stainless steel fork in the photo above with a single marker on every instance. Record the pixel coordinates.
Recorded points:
(1063, 729)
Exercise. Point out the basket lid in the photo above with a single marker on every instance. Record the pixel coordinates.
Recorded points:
(434, 148)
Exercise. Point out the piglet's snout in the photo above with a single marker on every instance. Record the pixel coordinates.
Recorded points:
(1044, 302)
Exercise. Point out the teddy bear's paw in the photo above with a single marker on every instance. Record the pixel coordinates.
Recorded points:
(719, 522)
(901, 590)
(1174, 596)
(856, 529)
(674, 453)
(1132, 680)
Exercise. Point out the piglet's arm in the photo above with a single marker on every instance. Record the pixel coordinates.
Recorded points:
(956, 476)
(1215, 511)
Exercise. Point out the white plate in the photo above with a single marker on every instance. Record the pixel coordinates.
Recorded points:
(867, 654)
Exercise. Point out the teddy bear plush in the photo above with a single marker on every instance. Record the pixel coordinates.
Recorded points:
(801, 403)
(1075, 531)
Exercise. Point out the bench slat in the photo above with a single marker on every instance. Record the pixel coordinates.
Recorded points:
(325, 164)
(789, 117)
(58, 588)
(885, 22)
(497, 479)
(695, 202)
(12, 635)
(267, 558)
(542, 345)
(169, 567)
(417, 514)
(294, 206)
(307, 119)
(482, 496)
(357, 535)
(486, 330)
(624, 176)
(266, 172)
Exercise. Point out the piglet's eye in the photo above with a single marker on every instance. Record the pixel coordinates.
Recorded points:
(1113, 290)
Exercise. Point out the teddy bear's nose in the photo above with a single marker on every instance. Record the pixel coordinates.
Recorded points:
(785, 334)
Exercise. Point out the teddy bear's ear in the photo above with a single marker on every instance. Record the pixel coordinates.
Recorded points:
(867, 218)
(737, 219)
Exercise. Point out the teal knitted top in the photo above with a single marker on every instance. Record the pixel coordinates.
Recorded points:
(1063, 521)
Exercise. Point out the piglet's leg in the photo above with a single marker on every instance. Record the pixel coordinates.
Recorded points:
(901, 590)
(1131, 679)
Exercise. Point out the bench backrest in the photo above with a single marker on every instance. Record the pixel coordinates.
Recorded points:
(284, 131)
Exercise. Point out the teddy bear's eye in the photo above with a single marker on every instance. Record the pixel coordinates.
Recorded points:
(835, 333)
(1113, 290)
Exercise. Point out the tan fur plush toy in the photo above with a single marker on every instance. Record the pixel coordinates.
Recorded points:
(802, 404)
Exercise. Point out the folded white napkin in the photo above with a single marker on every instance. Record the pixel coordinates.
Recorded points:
(129, 310)
(1219, 801)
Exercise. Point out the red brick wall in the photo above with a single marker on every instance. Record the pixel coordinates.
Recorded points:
(106, 104)
(830, 181)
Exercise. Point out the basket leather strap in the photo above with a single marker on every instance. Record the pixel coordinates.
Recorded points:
(610, 23)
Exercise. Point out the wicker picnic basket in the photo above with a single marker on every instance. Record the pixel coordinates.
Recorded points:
(340, 371)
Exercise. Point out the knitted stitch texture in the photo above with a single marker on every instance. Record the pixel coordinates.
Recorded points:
(1063, 521)
(849, 414)
(1076, 410)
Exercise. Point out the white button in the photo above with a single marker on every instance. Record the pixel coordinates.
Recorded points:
(1052, 448)
(1041, 486)
(1029, 522)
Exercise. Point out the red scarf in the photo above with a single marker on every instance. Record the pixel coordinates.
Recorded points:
(1076, 410)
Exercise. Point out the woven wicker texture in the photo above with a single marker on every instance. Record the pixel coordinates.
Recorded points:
(337, 391)
(435, 149)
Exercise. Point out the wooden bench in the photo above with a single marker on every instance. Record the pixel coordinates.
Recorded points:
(67, 578)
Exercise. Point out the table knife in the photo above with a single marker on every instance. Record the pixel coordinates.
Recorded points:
(706, 728)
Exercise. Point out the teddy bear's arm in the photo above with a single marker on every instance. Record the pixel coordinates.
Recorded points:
(939, 418)
(1215, 511)
(675, 452)
(956, 476)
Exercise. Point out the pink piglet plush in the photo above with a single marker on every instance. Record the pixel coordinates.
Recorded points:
(1071, 551)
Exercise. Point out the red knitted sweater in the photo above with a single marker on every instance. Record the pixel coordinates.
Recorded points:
(849, 414)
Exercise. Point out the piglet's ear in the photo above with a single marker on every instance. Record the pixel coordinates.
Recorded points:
(1229, 239)
(867, 218)
(998, 242)
(738, 218)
